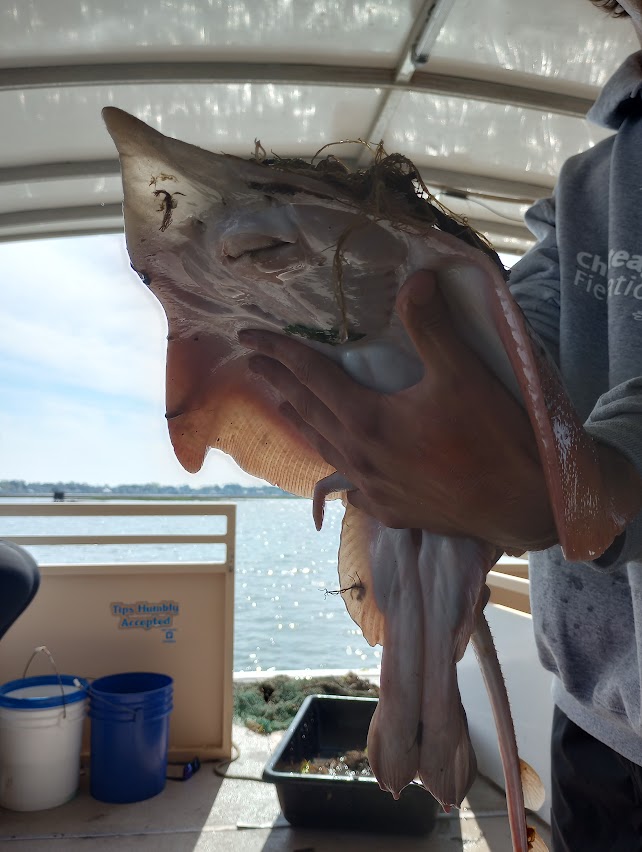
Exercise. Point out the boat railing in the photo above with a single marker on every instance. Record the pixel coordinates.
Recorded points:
(131, 613)
(509, 585)
(508, 581)
(103, 509)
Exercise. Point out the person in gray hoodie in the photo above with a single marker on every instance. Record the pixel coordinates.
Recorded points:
(581, 289)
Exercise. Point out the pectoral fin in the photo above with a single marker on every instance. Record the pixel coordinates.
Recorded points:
(215, 402)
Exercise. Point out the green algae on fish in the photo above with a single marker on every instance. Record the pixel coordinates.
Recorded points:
(331, 336)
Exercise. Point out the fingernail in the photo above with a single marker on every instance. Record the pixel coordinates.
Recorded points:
(461, 272)
(420, 296)
(421, 287)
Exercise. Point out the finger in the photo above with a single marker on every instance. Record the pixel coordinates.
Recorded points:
(322, 376)
(324, 448)
(303, 401)
(425, 314)
(328, 485)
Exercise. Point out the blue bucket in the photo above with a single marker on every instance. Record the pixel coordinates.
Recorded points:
(129, 735)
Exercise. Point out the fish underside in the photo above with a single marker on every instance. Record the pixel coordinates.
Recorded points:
(227, 244)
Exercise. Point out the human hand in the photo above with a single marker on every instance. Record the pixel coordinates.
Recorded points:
(454, 454)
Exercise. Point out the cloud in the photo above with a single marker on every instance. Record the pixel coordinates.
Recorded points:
(82, 370)
(82, 357)
(80, 319)
(52, 436)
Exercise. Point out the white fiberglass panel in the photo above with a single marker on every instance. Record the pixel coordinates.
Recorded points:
(488, 209)
(344, 32)
(47, 125)
(569, 41)
(484, 138)
(89, 223)
(69, 192)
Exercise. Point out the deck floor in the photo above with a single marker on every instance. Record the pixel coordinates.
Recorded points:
(210, 813)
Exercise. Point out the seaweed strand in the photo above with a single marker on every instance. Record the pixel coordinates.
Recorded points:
(390, 188)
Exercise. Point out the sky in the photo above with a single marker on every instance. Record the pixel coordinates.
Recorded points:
(82, 370)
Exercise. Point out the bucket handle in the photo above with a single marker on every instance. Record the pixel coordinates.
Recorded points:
(42, 649)
(96, 696)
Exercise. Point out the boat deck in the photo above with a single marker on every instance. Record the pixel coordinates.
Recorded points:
(237, 814)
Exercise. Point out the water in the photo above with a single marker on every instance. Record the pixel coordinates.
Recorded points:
(283, 617)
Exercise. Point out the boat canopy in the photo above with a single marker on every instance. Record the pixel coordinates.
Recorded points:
(487, 97)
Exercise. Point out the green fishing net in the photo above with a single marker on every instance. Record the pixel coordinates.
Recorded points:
(270, 705)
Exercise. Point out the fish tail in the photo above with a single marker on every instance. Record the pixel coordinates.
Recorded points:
(493, 679)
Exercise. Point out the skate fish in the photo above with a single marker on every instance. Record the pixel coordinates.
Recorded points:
(227, 244)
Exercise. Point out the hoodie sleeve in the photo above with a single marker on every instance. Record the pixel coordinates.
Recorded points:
(616, 420)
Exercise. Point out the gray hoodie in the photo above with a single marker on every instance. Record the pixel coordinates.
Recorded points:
(581, 289)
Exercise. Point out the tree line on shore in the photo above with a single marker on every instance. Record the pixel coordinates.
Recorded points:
(20, 488)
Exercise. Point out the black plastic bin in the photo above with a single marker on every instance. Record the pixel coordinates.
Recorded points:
(328, 726)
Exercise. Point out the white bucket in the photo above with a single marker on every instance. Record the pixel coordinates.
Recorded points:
(41, 722)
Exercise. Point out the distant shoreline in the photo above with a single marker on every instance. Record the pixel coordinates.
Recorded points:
(13, 489)
(73, 496)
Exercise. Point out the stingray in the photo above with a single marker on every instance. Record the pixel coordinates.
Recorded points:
(312, 250)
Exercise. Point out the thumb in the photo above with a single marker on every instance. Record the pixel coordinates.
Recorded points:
(425, 314)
